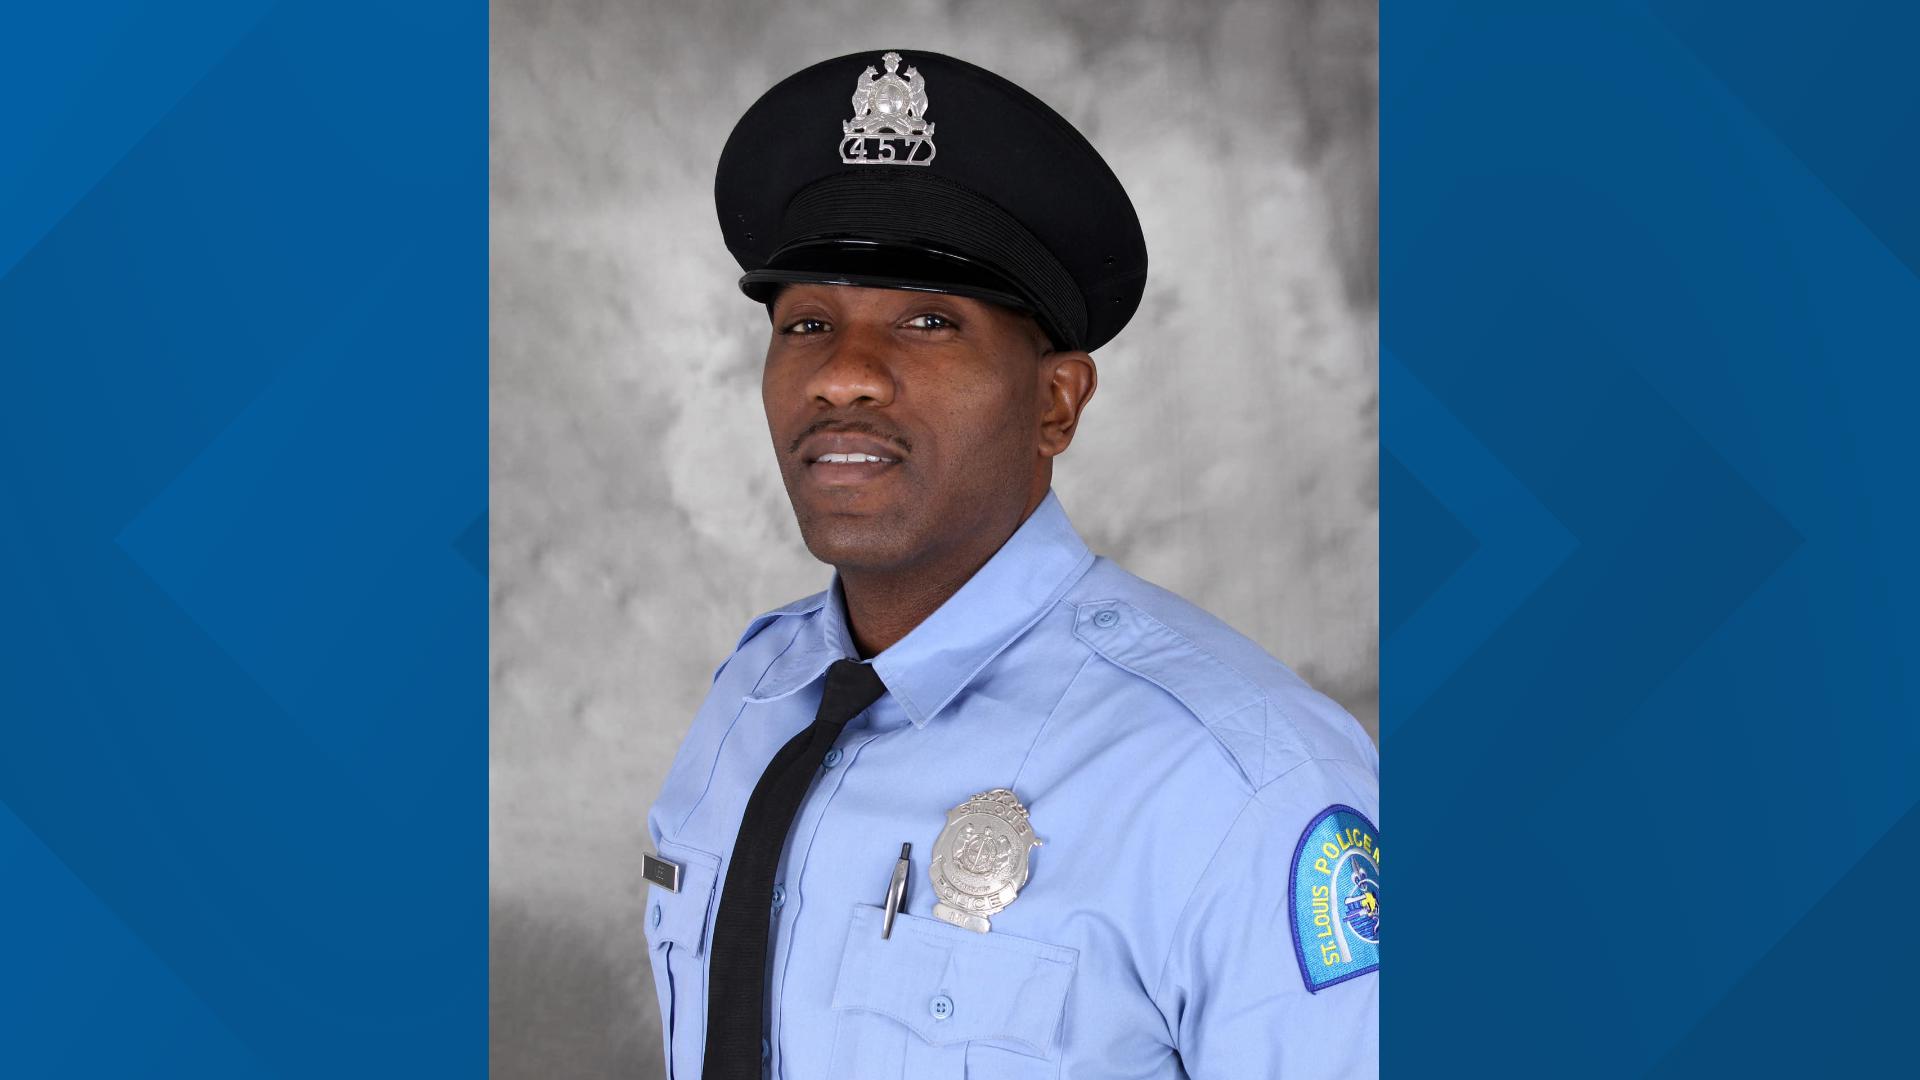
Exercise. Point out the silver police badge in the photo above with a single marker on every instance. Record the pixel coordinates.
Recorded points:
(889, 124)
(980, 860)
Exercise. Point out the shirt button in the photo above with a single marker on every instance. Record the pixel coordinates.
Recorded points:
(655, 917)
(1105, 618)
(766, 1051)
(941, 1006)
(833, 757)
(779, 896)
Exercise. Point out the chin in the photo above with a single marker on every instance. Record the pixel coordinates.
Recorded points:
(857, 543)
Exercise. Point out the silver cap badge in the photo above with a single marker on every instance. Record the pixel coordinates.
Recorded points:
(889, 124)
(980, 860)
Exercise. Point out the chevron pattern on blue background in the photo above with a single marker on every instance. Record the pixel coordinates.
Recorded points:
(1651, 756)
(242, 469)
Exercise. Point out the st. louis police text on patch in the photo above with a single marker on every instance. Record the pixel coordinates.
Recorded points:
(1334, 891)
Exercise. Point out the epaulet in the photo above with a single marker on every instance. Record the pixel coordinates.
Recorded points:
(1262, 714)
(765, 619)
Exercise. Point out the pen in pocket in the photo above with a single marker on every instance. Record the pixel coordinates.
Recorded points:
(896, 891)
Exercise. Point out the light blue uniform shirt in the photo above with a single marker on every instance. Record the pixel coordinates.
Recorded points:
(1179, 777)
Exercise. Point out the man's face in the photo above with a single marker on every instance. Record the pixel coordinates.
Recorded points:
(909, 426)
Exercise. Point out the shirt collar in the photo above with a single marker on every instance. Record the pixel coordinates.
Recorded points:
(928, 668)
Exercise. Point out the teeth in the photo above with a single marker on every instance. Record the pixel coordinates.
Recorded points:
(850, 459)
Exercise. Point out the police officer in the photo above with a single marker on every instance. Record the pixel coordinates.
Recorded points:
(989, 805)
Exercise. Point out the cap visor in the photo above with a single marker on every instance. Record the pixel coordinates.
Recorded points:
(882, 266)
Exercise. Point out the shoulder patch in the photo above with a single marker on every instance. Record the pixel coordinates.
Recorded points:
(1333, 897)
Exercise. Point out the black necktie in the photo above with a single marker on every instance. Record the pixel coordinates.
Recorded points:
(737, 965)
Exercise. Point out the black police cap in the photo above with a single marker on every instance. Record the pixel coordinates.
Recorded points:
(932, 174)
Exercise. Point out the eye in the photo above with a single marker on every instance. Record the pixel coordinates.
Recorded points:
(805, 326)
(930, 320)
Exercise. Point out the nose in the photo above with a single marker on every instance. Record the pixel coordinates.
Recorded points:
(855, 372)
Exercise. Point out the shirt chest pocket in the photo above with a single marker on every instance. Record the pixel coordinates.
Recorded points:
(677, 931)
(935, 1002)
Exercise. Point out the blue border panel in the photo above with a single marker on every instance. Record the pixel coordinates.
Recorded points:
(1649, 363)
(243, 423)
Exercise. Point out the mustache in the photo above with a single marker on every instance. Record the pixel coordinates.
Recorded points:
(850, 427)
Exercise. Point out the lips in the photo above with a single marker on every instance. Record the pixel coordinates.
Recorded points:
(845, 446)
(838, 458)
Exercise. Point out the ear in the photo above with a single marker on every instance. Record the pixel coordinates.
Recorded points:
(1068, 379)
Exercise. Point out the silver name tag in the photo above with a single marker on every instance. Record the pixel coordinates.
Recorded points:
(662, 873)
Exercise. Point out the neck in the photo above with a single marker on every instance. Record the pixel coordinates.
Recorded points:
(882, 608)
(884, 605)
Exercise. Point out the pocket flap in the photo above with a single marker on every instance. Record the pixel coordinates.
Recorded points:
(991, 987)
(681, 917)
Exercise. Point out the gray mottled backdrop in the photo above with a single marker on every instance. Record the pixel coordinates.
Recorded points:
(638, 517)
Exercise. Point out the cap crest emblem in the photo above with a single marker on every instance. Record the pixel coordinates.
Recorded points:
(889, 125)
